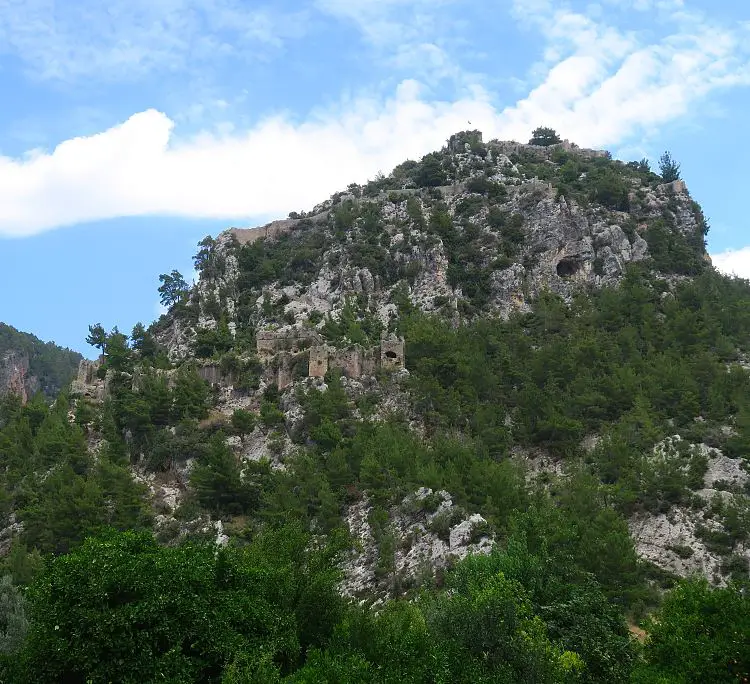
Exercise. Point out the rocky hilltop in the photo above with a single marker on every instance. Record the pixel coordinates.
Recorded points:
(475, 229)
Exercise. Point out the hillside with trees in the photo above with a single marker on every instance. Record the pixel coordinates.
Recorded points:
(41, 366)
(485, 419)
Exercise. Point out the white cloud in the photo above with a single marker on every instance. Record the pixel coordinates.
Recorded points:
(123, 38)
(604, 88)
(733, 262)
(139, 168)
(388, 22)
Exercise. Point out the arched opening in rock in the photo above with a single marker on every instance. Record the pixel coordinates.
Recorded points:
(391, 354)
(567, 267)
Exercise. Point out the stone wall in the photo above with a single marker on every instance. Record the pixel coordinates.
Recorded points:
(318, 363)
(284, 350)
(392, 353)
(508, 148)
(212, 374)
(246, 236)
(270, 342)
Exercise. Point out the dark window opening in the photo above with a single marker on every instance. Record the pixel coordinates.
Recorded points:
(568, 266)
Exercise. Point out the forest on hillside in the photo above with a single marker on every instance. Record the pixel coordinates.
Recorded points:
(52, 366)
(628, 388)
(83, 601)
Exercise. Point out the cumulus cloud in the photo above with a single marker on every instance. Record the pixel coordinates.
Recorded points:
(734, 262)
(139, 168)
(599, 87)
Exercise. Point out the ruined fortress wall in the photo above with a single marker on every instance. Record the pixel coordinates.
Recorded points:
(284, 356)
(543, 152)
(348, 360)
(269, 342)
(392, 353)
(369, 362)
(318, 363)
(246, 236)
(211, 373)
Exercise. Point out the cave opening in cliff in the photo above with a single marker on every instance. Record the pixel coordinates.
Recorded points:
(567, 267)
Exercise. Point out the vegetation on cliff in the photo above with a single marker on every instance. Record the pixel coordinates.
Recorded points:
(50, 368)
(625, 339)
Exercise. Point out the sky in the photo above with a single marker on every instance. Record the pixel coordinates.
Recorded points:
(130, 129)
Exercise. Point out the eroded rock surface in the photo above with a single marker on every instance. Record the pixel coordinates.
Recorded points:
(427, 533)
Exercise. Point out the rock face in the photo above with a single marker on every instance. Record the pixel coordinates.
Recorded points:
(14, 376)
(526, 236)
(483, 230)
(28, 365)
(87, 384)
(682, 541)
(425, 534)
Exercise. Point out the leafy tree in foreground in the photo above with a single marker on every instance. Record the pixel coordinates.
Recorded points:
(13, 623)
(700, 635)
(123, 609)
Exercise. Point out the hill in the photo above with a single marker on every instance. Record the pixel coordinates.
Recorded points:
(459, 424)
(28, 365)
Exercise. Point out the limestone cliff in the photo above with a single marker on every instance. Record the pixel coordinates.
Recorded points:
(474, 230)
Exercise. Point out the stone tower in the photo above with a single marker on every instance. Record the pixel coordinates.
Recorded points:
(318, 365)
(392, 352)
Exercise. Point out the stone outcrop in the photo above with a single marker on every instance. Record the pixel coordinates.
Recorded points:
(430, 533)
(15, 377)
(28, 365)
(673, 540)
(87, 382)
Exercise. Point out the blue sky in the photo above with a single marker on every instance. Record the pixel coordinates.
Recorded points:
(132, 128)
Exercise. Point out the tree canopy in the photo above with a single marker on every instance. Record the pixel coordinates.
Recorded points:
(544, 136)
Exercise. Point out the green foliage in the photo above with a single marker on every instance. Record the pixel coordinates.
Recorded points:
(294, 257)
(668, 168)
(124, 609)
(631, 365)
(173, 288)
(208, 261)
(210, 342)
(143, 342)
(699, 635)
(355, 324)
(673, 252)
(54, 367)
(243, 422)
(13, 622)
(544, 136)
(217, 482)
(550, 377)
(610, 189)
(97, 336)
(430, 173)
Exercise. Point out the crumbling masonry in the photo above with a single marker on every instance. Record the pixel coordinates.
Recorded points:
(287, 351)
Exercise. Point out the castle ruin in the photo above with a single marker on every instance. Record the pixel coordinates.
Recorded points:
(300, 352)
